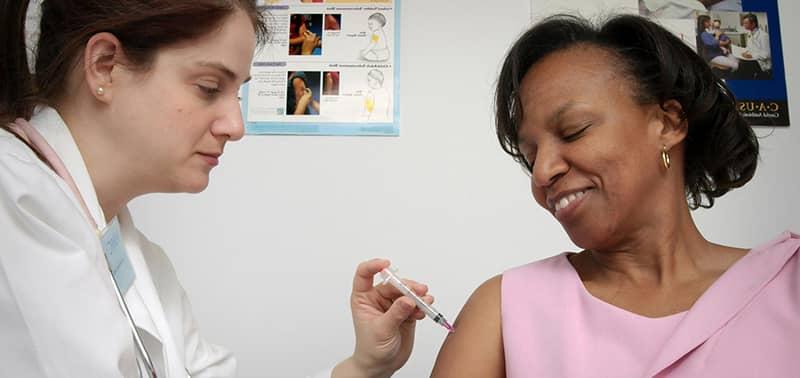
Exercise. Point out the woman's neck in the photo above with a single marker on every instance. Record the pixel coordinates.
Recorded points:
(655, 256)
(660, 248)
(112, 181)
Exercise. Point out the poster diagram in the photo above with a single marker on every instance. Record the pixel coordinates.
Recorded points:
(330, 68)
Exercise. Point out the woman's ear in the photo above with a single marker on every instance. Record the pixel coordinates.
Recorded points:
(674, 126)
(103, 52)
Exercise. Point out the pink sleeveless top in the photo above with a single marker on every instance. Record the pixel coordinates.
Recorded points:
(746, 324)
(553, 327)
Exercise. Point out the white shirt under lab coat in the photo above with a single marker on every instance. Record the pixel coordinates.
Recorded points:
(59, 316)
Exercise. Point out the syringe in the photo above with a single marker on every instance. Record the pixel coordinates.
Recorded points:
(387, 276)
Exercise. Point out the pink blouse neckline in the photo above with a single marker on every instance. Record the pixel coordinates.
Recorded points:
(576, 279)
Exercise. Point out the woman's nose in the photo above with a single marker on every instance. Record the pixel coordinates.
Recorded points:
(548, 166)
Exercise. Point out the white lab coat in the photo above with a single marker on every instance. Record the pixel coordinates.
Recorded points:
(758, 47)
(59, 316)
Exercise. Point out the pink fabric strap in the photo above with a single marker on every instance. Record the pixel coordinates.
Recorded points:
(26, 131)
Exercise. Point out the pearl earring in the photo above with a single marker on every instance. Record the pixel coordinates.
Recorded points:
(100, 91)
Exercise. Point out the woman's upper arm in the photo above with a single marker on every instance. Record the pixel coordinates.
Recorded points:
(476, 348)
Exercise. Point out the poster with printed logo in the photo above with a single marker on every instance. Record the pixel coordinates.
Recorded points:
(739, 39)
(330, 67)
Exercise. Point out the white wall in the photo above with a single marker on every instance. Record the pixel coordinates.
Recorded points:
(268, 250)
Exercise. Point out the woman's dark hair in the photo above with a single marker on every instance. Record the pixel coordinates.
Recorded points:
(701, 23)
(721, 150)
(142, 26)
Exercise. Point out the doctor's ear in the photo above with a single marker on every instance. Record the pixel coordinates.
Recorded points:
(102, 55)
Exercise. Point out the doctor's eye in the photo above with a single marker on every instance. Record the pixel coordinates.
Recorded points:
(207, 91)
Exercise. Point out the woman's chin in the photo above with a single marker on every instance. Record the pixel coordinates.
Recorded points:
(194, 184)
(586, 238)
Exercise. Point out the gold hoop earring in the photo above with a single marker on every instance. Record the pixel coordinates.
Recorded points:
(100, 91)
(665, 157)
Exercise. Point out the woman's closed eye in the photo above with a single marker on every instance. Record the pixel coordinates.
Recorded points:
(208, 90)
(577, 134)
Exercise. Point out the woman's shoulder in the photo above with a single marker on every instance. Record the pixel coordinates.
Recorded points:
(476, 347)
(545, 269)
(785, 247)
(786, 239)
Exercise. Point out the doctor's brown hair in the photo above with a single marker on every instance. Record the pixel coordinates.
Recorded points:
(721, 150)
(142, 26)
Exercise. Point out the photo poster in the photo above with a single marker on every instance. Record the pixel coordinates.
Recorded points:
(329, 68)
(739, 39)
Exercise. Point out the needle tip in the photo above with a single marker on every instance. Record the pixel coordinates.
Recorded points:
(449, 327)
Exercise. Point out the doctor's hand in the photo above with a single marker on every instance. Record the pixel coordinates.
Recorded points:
(310, 42)
(384, 323)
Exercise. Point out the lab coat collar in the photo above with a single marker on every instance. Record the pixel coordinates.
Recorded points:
(726, 298)
(49, 123)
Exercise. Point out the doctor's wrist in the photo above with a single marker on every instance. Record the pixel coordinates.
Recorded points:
(352, 368)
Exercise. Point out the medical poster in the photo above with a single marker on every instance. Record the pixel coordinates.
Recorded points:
(329, 68)
(739, 39)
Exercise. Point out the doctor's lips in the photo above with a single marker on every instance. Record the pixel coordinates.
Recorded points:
(212, 158)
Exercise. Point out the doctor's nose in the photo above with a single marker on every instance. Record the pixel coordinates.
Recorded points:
(230, 122)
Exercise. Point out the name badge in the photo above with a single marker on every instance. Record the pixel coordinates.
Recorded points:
(117, 256)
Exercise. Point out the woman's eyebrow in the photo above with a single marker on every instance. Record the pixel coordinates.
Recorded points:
(559, 113)
(222, 68)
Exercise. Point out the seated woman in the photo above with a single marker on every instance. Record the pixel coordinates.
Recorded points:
(624, 129)
(712, 45)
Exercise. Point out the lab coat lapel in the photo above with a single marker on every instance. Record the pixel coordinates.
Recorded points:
(724, 299)
(145, 303)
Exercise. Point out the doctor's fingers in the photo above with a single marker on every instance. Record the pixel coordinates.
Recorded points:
(390, 292)
(403, 310)
(365, 273)
(385, 295)
(419, 314)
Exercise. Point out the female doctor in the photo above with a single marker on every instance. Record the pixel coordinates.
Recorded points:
(129, 97)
